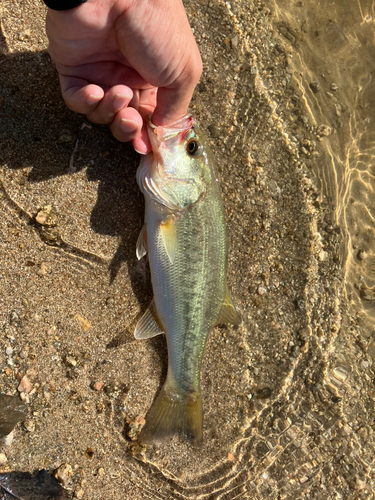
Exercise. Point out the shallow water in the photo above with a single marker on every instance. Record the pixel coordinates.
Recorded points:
(332, 44)
(287, 100)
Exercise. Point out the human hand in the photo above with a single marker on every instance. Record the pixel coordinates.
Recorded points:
(120, 60)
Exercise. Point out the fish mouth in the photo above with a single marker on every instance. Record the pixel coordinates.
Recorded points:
(170, 133)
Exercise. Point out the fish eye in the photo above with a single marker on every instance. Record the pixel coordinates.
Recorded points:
(193, 148)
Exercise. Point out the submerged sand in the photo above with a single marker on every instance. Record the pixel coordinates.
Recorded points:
(288, 395)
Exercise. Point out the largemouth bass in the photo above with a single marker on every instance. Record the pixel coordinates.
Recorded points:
(185, 238)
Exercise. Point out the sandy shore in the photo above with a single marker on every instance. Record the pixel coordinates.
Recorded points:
(286, 415)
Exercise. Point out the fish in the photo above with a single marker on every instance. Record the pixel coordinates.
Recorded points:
(184, 236)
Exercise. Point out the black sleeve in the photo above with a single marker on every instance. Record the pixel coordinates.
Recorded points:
(63, 4)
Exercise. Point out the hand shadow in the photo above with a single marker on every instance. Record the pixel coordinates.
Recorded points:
(37, 130)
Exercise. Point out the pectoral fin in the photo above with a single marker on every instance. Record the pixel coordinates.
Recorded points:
(168, 233)
(149, 325)
(228, 313)
(141, 249)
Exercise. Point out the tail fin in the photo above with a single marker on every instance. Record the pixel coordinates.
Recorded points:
(174, 414)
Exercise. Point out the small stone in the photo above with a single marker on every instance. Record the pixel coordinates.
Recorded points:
(79, 493)
(83, 323)
(323, 131)
(359, 484)
(64, 474)
(361, 255)
(14, 319)
(263, 393)
(101, 472)
(8, 372)
(3, 459)
(135, 427)
(46, 216)
(231, 457)
(29, 425)
(334, 86)
(70, 361)
(214, 131)
(25, 385)
(43, 270)
(100, 407)
(234, 42)
(261, 290)
(66, 137)
(363, 433)
(109, 301)
(315, 87)
(97, 386)
(7, 440)
(9, 351)
(323, 255)
(371, 349)
(136, 449)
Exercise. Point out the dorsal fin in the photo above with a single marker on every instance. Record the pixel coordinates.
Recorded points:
(149, 325)
(228, 313)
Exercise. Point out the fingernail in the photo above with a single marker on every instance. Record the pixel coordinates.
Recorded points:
(93, 99)
(140, 152)
(120, 101)
(128, 126)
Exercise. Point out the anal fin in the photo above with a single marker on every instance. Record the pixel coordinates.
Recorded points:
(228, 313)
(149, 325)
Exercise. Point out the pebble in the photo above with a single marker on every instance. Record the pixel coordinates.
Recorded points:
(83, 323)
(234, 42)
(214, 131)
(315, 87)
(66, 137)
(363, 433)
(263, 393)
(70, 361)
(359, 484)
(14, 319)
(25, 385)
(3, 459)
(97, 386)
(135, 427)
(7, 440)
(29, 425)
(63, 474)
(323, 130)
(46, 216)
(79, 493)
(43, 270)
(8, 351)
(334, 86)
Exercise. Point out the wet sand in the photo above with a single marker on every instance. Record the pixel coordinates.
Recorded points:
(288, 396)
